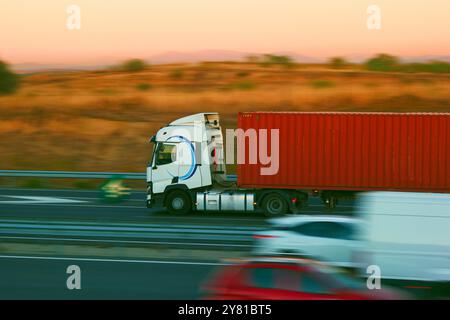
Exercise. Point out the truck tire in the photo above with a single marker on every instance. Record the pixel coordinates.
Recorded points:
(178, 202)
(274, 205)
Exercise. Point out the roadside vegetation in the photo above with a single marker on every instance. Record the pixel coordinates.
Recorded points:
(133, 65)
(338, 63)
(388, 63)
(9, 81)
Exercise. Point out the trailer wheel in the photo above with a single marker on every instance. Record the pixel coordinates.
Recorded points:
(178, 202)
(274, 205)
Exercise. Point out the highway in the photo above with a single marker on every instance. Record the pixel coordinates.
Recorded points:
(87, 205)
(45, 278)
(124, 250)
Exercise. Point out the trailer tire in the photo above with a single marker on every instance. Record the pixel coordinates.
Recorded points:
(178, 202)
(274, 205)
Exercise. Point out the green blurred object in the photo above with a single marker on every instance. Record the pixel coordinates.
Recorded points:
(9, 81)
(115, 190)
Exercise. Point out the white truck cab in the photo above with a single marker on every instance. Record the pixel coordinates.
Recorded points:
(182, 152)
(187, 171)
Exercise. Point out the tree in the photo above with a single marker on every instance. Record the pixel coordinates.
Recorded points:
(134, 65)
(9, 81)
(271, 59)
(252, 58)
(337, 63)
(383, 62)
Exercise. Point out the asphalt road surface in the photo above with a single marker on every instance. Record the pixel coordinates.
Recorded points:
(46, 278)
(64, 215)
(86, 205)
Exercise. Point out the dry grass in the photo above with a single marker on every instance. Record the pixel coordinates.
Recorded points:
(102, 120)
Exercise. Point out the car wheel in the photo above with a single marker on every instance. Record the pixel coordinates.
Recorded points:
(274, 205)
(178, 202)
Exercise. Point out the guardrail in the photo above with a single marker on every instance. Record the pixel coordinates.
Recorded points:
(72, 174)
(81, 174)
(134, 234)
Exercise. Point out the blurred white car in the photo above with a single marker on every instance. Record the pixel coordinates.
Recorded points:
(332, 239)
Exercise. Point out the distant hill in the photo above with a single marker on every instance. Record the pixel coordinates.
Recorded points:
(25, 68)
(426, 58)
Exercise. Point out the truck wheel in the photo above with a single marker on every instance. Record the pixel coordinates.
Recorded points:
(178, 202)
(274, 205)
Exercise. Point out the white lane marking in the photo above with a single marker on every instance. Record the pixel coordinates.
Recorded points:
(60, 190)
(37, 200)
(93, 198)
(129, 241)
(113, 260)
(77, 205)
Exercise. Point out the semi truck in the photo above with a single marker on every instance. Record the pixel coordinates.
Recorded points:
(284, 158)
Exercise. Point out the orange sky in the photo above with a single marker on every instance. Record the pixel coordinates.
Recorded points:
(35, 30)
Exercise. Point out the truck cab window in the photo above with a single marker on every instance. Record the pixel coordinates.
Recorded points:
(165, 154)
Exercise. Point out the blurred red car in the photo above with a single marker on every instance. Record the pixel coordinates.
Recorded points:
(288, 279)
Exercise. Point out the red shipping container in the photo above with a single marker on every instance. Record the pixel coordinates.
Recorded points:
(353, 151)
